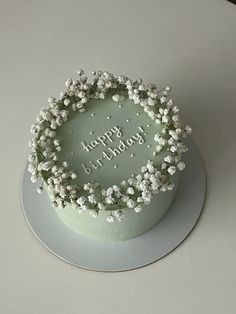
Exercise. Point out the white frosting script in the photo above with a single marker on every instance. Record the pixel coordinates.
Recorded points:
(110, 152)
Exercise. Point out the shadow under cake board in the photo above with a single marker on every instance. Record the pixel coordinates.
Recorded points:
(117, 256)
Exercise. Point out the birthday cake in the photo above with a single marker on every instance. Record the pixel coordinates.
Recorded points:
(108, 153)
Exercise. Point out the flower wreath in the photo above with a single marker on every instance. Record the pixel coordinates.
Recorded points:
(130, 193)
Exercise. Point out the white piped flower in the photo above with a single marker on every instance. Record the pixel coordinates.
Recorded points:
(92, 199)
(110, 200)
(138, 208)
(73, 176)
(174, 135)
(158, 148)
(151, 102)
(181, 165)
(68, 82)
(175, 109)
(110, 191)
(117, 97)
(162, 100)
(81, 200)
(188, 129)
(110, 218)
(150, 167)
(168, 159)
(101, 206)
(32, 169)
(130, 203)
(67, 102)
(171, 170)
(165, 119)
(33, 178)
(173, 148)
(119, 215)
(130, 191)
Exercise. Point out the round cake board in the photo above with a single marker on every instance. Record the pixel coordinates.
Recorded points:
(107, 256)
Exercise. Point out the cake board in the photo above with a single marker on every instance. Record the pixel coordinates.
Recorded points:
(106, 256)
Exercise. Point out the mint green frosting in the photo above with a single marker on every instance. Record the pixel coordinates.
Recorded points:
(132, 225)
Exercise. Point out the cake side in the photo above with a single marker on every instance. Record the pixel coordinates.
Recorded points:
(131, 226)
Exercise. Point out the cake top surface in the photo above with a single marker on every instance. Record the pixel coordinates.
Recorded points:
(111, 143)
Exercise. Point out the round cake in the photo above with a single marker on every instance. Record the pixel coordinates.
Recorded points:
(108, 152)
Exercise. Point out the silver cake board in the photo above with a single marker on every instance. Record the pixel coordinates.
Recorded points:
(107, 256)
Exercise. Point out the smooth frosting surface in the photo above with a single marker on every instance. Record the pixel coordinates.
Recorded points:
(131, 226)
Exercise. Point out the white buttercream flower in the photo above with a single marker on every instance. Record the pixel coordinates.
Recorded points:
(162, 100)
(150, 167)
(118, 97)
(33, 178)
(188, 129)
(109, 200)
(101, 206)
(173, 148)
(32, 169)
(124, 197)
(140, 199)
(164, 187)
(175, 109)
(151, 102)
(92, 199)
(116, 188)
(171, 170)
(110, 191)
(47, 165)
(136, 99)
(143, 185)
(81, 200)
(181, 165)
(156, 137)
(155, 185)
(168, 159)
(165, 119)
(123, 183)
(173, 134)
(163, 165)
(138, 208)
(158, 148)
(110, 218)
(130, 191)
(170, 186)
(130, 203)
(73, 176)
(66, 102)
(119, 215)
(87, 186)
(152, 114)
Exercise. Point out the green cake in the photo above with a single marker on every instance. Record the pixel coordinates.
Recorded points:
(108, 153)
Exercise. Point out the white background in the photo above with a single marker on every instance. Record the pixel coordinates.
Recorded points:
(190, 45)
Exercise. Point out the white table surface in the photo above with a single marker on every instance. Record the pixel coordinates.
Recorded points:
(190, 45)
